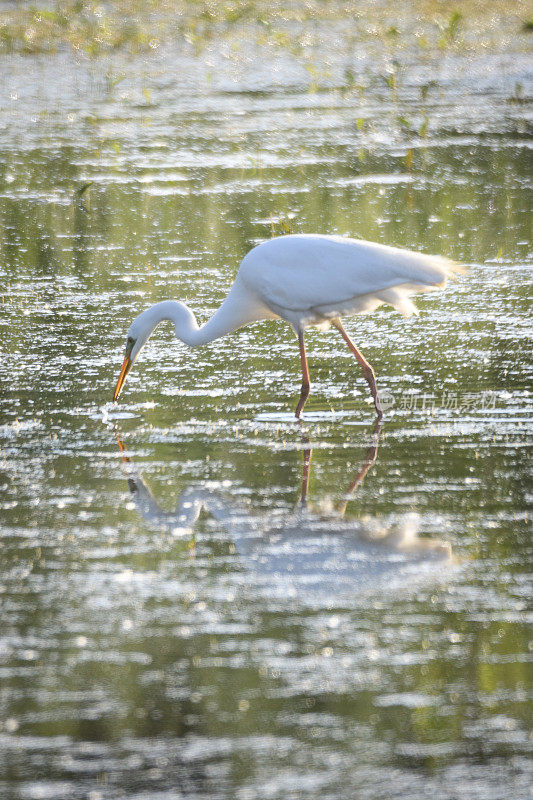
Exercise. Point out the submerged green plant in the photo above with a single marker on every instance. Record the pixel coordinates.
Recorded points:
(450, 30)
(404, 124)
(81, 191)
(282, 225)
(292, 26)
(518, 97)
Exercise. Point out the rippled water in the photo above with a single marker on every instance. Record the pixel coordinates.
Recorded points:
(199, 597)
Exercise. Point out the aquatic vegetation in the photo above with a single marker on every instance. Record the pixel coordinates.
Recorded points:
(450, 29)
(518, 95)
(133, 26)
(81, 191)
(80, 24)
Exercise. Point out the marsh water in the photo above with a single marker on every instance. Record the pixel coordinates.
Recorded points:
(176, 619)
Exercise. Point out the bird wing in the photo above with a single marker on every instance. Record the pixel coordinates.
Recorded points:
(303, 272)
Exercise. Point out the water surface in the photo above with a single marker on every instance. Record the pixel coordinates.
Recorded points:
(175, 621)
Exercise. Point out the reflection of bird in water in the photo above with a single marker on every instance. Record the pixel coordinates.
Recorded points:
(304, 550)
(308, 280)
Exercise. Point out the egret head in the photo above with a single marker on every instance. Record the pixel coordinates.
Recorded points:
(144, 325)
(137, 336)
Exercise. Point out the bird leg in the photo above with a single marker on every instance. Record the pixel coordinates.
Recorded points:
(368, 372)
(305, 477)
(370, 458)
(304, 393)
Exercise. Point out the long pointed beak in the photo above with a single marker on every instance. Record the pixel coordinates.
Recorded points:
(126, 364)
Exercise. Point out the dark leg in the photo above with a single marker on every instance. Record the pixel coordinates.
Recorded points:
(304, 394)
(370, 457)
(368, 372)
(305, 477)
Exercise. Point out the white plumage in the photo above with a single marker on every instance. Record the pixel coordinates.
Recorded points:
(311, 277)
(306, 279)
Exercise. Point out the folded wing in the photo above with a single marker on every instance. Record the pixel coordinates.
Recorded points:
(332, 275)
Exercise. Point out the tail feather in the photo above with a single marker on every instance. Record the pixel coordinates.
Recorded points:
(434, 270)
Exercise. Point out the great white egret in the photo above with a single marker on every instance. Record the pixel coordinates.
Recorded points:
(308, 280)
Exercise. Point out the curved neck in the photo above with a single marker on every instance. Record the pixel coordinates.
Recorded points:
(239, 308)
(185, 324)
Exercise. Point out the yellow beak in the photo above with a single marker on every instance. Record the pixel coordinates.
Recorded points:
(126, 364)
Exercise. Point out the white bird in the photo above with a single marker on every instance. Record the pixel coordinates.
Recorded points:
(308, 280)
